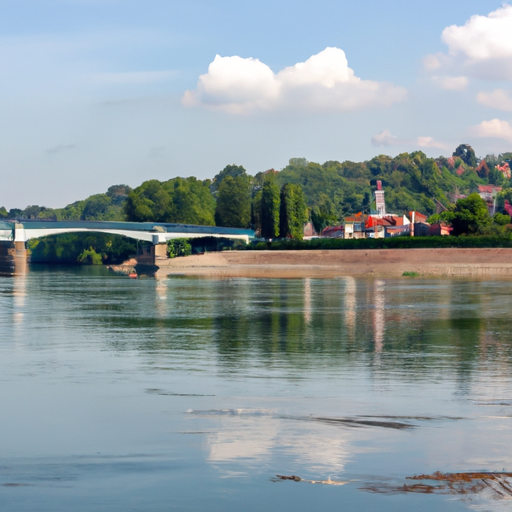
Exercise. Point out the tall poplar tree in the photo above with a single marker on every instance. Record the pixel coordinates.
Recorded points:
(270, 206)
(234, 202)
(292, 212)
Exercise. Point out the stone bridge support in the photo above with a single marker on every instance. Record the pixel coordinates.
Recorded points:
(13, 258)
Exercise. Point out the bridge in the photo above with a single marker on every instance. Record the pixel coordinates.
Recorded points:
(157, 233)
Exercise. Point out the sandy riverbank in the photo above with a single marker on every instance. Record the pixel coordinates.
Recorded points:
(376, 262)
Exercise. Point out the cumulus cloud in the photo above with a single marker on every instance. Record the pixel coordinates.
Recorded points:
(499, 99)
(324, 82)
(385, 138)
(481, 48)
(429, 142)
(493, 129)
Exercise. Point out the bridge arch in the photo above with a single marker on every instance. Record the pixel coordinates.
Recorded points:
(155, 233)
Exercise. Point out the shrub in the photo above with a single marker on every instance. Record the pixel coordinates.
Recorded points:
(89, 257)
(178, 247)
(402, 242)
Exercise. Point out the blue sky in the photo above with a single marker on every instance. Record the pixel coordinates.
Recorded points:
(100, 92)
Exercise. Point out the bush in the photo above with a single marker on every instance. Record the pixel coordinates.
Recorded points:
(402, 242)
(178, 247)
(89, 257)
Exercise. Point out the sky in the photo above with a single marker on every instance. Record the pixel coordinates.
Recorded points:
(101, 92)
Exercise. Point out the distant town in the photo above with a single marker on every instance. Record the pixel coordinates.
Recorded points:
(408, 195)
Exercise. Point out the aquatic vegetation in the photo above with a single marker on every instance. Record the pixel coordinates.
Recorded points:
(498, 484)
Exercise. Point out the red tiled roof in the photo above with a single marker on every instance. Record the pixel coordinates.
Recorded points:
(330, 230)
(488, 189)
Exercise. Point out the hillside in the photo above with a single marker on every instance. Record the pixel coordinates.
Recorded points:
(332, 190)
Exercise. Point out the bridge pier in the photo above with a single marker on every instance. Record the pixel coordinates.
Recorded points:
(160, 251)
(13, 258)
(20, 258)
(20, 250)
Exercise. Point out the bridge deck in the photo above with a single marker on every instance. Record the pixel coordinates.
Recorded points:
(157, 231)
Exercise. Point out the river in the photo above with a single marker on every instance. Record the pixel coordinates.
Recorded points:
(195, 394)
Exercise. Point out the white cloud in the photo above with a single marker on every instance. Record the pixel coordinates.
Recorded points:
(322, 83)
(451, 83)
(431, 62)
(493, 129)
(482, 37)
(481, 48)
(385, 138)
(429, 142)
(498, 99)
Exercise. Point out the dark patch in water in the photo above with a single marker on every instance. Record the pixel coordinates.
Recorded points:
(500, 402)
(499, 484)
(351, 422)
(417, 418)
(165, 393)
(15, 484)
(198, 432)
(296, 478)
(347, 422)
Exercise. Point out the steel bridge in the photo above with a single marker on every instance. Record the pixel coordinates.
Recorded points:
(154, 232)
(14, 235)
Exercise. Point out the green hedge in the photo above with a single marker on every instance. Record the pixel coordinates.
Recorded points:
(402, 242)
(178, 247)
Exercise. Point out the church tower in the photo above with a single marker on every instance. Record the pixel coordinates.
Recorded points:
(380, 204)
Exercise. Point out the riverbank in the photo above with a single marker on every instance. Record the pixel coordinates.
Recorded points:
(330, 263)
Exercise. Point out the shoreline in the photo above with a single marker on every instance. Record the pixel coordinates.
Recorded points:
(446, 262)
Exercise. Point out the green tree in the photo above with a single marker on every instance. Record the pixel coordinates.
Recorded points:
(467, 154)
(496, 177)
(270, 206)
(178, 200)
(256, 211)
(230, 170)
(234, 202)
(96, 207)
(501, 219)
(470, 216)
(298, 162)
(178, 247)
(324, 213)
(148, 202)
(118, 193)
(89, 257)
(292, 215)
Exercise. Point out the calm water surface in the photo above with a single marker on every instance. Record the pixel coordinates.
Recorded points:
(193, 394)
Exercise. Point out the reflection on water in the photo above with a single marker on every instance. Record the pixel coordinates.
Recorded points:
(307, 300)
(379, 321)
(349, 310)
(125, 393)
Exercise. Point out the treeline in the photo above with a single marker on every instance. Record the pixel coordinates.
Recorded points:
(399, 242)
(331, 191)
(108, 206)
(232, 199)
(82, 248)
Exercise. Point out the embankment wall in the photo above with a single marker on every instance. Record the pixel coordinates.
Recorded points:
(323, 263)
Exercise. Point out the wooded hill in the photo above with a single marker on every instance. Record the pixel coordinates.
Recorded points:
(332, 190)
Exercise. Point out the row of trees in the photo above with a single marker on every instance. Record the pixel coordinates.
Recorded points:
(331, 190)
(470, 216)
(108, 206)
(279, 213)
(232, 199)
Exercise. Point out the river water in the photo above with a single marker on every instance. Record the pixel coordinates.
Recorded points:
(194, 394)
